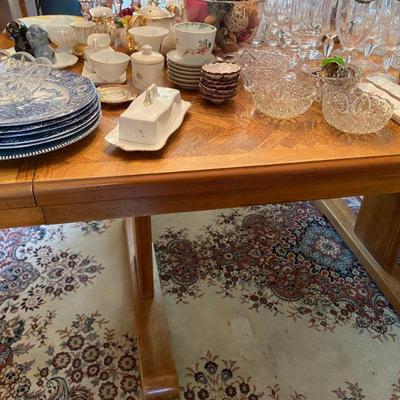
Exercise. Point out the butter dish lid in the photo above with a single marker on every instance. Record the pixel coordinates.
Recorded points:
(147, 56)
(151, 104)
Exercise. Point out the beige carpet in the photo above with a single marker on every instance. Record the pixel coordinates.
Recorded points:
(263, 303)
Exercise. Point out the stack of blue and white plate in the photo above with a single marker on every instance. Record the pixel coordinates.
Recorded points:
(64, 110)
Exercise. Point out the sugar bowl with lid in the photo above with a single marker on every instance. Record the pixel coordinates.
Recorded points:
(147, 68)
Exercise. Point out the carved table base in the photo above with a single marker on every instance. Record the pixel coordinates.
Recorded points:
(157, 364)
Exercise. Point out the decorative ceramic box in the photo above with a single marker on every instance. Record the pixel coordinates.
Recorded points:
(150, 115)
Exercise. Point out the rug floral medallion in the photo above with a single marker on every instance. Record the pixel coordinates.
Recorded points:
(263, 303)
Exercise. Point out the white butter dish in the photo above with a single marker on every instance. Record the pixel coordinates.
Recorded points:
(150, 115)
(152, 118)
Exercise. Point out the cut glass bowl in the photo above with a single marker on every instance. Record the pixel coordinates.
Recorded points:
(348, 83)
(260, 64)
(21, 76)
(355, 112)
(284, 98)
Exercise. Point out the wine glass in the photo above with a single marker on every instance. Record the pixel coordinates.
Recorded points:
(268, 26)
(354, 20)
(306, 26)
(86, 5)
(328, 28)
(373, 40)
(282, 10)
(390, 30)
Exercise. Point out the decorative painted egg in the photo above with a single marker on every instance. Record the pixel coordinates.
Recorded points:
(238, 19)
(210, 19)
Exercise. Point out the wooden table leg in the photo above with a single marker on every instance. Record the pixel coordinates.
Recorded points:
(373, 236)
(157, 364)
(378, 227)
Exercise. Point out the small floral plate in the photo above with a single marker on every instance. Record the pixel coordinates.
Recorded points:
(116, 94)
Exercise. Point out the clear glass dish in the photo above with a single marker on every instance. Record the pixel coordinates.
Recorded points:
(21, 76)
(355, 112)
(348, 83)
(259, 64)
(285, 98)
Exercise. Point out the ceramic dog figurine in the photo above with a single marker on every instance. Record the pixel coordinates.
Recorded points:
(38, 38)
(18, 30)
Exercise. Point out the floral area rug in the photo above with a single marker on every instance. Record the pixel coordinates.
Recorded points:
(263, 303)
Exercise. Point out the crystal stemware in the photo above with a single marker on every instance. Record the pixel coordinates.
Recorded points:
(354, 20)
(282, 10)
(271, 26)
(306, 26)
(328, 28)
(373, 40)
(117, 6)
(86, 5)
(390, 30)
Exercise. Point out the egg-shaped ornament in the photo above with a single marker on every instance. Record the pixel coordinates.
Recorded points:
(238, 19)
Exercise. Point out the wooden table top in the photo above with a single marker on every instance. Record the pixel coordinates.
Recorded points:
(216, 145)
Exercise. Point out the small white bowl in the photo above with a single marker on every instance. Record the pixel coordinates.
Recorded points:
(150, 35)
(83, 29)
(64, 37)
(96, 42)
(109, 65)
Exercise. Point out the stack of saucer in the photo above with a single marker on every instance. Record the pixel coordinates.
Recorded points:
(219, 81)
(185, 73)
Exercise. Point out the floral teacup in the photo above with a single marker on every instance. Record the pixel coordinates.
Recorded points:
(194, 41)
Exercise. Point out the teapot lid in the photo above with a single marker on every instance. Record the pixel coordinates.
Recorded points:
(101, 11)
(147, 56)
(153, 11)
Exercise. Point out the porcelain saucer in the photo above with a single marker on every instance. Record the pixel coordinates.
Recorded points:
(185, 85)
(174, 57)
(65, 60)
(191, 74)
(115, 94)
(87, 72)
(113, 136)
(183, 79)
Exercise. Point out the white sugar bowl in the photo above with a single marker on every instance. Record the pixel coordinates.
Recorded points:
(147, 68)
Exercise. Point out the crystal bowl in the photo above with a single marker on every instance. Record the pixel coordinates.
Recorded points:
(259, 64)
(285, 98)
(348, 83)
(236, 21)
(21, 76)
(355, 112)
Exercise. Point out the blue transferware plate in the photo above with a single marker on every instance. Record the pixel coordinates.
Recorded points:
(47, 132)
(62, 94)
(43, 126)
(47, 147)
(62, 133)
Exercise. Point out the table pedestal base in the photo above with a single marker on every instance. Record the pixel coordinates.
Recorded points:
(157, 364)
(373, 236)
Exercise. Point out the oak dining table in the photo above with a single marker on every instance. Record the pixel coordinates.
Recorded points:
(223, 156)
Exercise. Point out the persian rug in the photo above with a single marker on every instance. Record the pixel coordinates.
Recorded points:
(263, 303)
